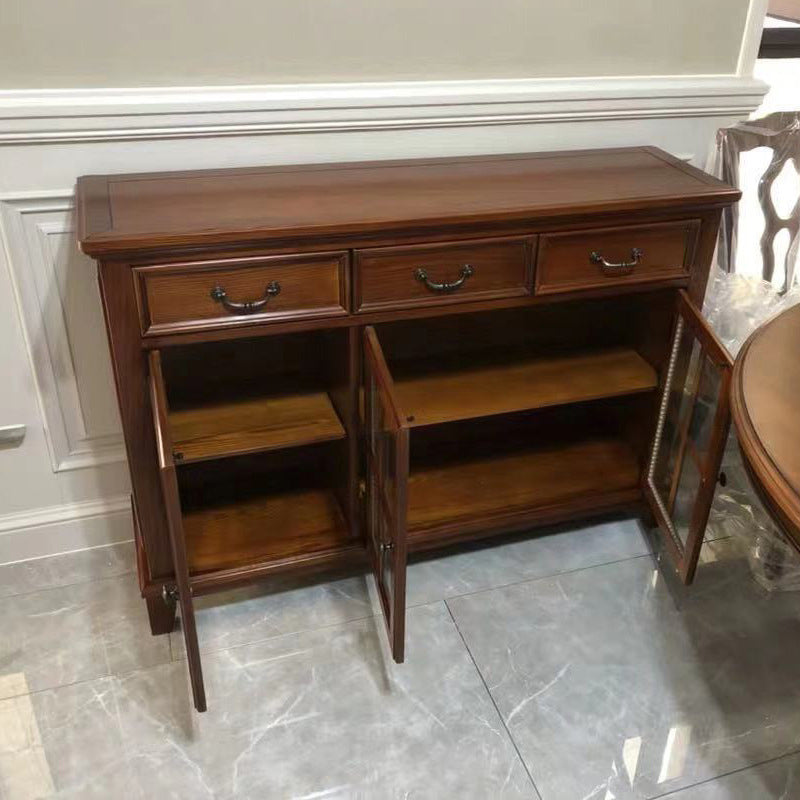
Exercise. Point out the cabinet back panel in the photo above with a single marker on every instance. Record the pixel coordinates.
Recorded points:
(638, 321)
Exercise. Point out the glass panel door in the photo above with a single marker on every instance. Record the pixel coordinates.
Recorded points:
(690, 436)
(386, 487)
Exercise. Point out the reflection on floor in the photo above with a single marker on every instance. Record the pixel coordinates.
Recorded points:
(566, 666)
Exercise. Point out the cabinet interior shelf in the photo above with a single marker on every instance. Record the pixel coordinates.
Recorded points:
(436, 391)
(481, 489)
(264, 529)
(228, 427)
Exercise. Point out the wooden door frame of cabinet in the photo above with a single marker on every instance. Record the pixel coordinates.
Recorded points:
(686, 555)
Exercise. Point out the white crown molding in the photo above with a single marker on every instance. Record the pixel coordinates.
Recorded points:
(100, 115)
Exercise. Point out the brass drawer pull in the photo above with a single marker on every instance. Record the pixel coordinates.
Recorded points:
(466, 272)
(623, 268)
(220, 296)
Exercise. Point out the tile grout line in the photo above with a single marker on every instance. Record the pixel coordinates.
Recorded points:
(181, 656)
(132, 571)
(494, 704)
(534, 579)
(107, 677)
(56, 586)
(674, 792)
(466, 594)
(177, 655)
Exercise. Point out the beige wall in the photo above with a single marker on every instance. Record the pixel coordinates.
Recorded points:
(120, 43)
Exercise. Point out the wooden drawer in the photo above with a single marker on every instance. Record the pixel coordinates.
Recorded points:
(188, 296)
(450, 272)
(600, 257)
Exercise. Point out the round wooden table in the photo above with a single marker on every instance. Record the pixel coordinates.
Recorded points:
(765, 407)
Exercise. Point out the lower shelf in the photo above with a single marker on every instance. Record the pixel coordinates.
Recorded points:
(253, 528)
(266, 529)
(485, 490)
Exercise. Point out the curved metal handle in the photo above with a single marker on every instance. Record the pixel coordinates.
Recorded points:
(623, 268)
(249, 307)
(467, 271)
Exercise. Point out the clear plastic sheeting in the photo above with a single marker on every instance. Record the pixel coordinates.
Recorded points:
(737, 512)
(735, 306)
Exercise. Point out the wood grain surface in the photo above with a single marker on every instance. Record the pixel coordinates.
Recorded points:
(121, 213)
(764, 408)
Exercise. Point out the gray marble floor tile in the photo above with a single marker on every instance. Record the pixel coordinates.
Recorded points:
(67, 569)
(499, 564)
(125, 628)
(75, 633)
(776, 780)
(248, 615)
(64, 743)
(325, 713)
(617, 682)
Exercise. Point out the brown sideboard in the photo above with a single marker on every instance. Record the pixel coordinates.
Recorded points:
(330, 366)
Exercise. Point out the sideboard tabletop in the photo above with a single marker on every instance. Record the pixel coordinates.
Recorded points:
(128, 213)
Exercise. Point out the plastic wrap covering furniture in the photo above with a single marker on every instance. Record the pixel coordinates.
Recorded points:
(780, 132)
(735, 306)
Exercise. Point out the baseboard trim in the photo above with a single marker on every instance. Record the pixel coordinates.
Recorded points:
(103, 115)
(64, 529)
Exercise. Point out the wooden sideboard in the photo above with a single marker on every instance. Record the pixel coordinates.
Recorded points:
(335, 365)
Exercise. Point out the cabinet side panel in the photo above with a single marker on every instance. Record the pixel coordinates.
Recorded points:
(704, 254)
(130, 377)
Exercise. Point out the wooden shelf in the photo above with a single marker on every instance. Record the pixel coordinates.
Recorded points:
(486, 488)
(252, 425)
(433, 393)
(258, 530)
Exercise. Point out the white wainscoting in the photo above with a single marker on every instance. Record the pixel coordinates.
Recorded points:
(73, 454)
(60, 308)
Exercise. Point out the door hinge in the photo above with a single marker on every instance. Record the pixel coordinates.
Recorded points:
(169, 594)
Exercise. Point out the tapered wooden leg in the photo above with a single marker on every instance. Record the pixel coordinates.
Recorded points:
(162, 615)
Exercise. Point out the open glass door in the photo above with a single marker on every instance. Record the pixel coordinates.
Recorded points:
(172, 503)
(386, 490)
(691, 432)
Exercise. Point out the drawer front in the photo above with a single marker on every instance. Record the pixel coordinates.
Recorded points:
(451, 272)
(632, 254)
(177, 297)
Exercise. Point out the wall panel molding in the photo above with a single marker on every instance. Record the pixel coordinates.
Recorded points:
(120, 115)
(59, 306)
